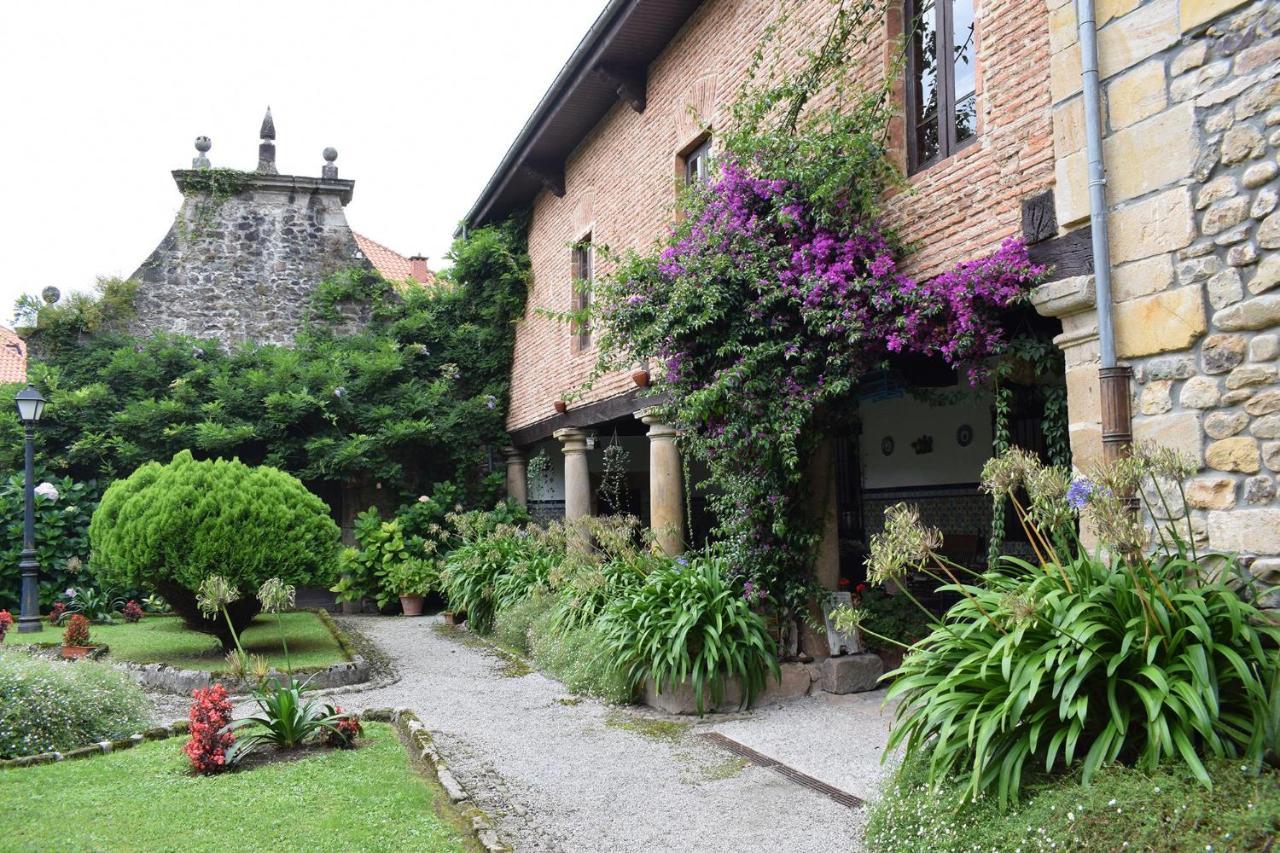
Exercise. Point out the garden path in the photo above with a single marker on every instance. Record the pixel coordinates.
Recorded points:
(561, 774)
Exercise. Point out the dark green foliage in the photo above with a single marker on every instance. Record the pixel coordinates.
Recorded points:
(414, 399)
(168, 527)
(892, 616)
(688, 623)
(579, 658)
(1165, 809)
(1044, 668)
(54, 706)
(62, 536)
(472, 572)
(285, 719)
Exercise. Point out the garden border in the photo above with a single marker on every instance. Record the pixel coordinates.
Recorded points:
(421, 747)
(178, 728)
(354, 672)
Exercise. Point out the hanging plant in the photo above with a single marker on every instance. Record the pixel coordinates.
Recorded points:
(613, 478)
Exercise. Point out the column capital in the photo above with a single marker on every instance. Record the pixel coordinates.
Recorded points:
(572, 439)
(514, 455)
(658, 428)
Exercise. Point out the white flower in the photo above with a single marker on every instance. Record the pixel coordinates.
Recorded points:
(47, 490)
(423, 499)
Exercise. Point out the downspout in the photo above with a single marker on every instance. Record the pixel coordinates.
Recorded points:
(1113, 379)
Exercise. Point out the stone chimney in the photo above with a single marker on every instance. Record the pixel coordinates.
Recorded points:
(418, 268)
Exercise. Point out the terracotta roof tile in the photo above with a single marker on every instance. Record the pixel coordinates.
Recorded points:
(391, 264)
(13, 357)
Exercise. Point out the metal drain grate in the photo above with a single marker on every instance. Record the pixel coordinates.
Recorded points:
(844, 798)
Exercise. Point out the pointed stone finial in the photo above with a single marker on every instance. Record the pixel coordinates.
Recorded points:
(267, 147)
(201, 160)
(329, 171)
(268, 126)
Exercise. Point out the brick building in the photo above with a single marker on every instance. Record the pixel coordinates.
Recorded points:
(1189, 141)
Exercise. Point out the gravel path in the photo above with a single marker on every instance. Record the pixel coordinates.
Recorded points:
(561, 774)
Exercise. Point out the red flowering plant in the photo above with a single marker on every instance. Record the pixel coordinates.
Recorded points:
(345, 729)
(132, 611)
(6, 622)
(56, 612)
(779, 289)
(210, 715)
(77, 632)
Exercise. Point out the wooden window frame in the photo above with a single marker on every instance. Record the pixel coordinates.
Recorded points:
(582, 263)
(699, 151)
(945, 81)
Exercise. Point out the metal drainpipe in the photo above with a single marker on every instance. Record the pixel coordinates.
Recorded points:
(1113, 379)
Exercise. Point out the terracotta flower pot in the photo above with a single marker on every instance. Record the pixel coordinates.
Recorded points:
(561, 406)
(640, 376)
(411, 605)
(76, 652)
(451, 618)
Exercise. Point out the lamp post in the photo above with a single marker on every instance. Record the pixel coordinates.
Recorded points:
(30, 408)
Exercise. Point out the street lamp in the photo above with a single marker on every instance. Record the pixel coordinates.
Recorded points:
(30, 408)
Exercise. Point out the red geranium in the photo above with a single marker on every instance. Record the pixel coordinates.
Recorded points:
(6, 622)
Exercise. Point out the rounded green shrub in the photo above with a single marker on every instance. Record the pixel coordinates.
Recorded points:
(168, 527)
(54, 706)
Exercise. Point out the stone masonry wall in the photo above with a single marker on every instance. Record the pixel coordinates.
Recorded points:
(620, 182)
(243, 269)
(1192, 146)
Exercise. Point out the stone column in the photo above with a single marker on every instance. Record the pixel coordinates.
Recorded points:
(577, 477)
(823, 506)
(517, 475)
(666, 484)
(1071, 300)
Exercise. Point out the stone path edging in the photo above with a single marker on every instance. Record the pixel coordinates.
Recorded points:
(416, 737)
(102, 747)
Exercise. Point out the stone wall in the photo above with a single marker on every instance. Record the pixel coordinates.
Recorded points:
(1192, 124)
(243, 268)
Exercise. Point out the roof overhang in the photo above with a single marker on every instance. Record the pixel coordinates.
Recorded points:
(610, 63)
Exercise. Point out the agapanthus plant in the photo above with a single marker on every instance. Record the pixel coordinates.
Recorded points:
(1131, 652)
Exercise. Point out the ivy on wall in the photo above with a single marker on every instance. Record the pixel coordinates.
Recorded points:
(416, 396)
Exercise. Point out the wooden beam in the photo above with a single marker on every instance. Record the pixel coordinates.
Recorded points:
(589, 415)
(549, 175)
(630, 83)
(1039, 221)
(1069, 255)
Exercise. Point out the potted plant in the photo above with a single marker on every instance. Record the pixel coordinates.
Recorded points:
(640, 374)
(562, 406)
(412, 580)
(75, 640)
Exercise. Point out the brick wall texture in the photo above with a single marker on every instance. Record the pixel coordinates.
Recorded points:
(620, 181)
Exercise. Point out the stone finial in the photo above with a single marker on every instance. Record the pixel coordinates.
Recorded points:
(267, 147)
(329, 171)
(268, 130)
(201, 160)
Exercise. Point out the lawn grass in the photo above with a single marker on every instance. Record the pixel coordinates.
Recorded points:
(164, 639)
(146, 799)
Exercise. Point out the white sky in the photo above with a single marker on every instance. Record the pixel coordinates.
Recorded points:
(100, 100)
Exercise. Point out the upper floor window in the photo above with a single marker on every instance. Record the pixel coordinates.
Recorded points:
(582, 272)
(941, 98)
(697, 163)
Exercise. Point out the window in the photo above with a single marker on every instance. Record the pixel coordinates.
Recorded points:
(697, 163)
(582, 263)
(941, 99)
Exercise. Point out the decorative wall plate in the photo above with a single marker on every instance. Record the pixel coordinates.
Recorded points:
(886, 445)
(964, 435)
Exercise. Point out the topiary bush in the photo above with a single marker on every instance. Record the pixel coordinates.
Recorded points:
(49, 705)
(168, 527)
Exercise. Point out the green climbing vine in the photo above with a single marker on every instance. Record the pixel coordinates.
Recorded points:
(210, 189)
